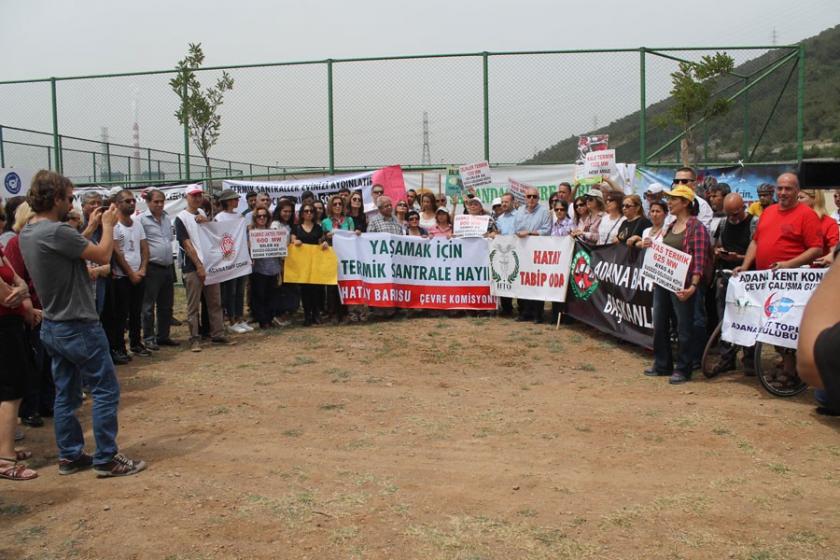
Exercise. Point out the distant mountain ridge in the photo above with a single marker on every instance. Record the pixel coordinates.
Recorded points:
(723, 135)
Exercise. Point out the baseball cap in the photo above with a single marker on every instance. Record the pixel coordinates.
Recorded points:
(474, 200)
(496, 202)
(655, 188)
(595, 193)
(193, 189)
(228, 194)
(442, 209)
(682, 191)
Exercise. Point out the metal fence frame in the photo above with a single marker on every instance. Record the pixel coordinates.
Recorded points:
(225, 169)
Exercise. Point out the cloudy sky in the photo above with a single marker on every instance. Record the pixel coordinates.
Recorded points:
(278, 115)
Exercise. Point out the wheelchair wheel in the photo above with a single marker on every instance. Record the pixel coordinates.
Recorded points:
(768, 368)
(711, 354)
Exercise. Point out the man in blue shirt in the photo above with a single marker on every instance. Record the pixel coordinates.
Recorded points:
(531, 219)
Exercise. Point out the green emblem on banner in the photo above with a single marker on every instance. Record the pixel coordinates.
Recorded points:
(584, 282)
(504, 266)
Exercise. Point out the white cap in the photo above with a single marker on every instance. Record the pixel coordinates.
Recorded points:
(496, 202)
(655, 188)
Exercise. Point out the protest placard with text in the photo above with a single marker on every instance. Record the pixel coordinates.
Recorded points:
(666, 266)
(267, 243)
(467, 225)
(600, 163)
(475, 174)
(534, 268)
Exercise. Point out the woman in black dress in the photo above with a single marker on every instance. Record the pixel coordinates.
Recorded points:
(308, 232)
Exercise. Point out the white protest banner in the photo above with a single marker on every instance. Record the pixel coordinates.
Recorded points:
(767, 305)
(15, 182)
(599, 163)
(475, 174)
(321, 187)
(467, 225)
(266, 243)
(517, 189)
(534, 268)
(224, 250)
(666, 266)
(385, 270)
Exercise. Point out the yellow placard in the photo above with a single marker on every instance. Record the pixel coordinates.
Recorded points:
(310, 264)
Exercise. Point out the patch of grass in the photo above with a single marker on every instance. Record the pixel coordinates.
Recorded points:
(36, 531)
(586, 367)
(293, 433)
(527, 512)
(339, 375)
(805, 537)
(745, 446)
(13, 509)
(719, 431)
(778, 468)
(343, 534)
(586, 429)
(332, 406)
(302, 360)
(218, 410)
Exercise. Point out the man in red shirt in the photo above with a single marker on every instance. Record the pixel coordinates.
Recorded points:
(788, 236)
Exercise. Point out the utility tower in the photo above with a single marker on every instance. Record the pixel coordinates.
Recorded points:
(135, 136)
(427, 154)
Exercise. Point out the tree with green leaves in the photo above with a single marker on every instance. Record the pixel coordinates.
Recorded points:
(199, 109)
(693, 97)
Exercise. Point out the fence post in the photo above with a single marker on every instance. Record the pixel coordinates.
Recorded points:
(330, 120)
(94, 165)
(745, 149)
(149, 159)
(642, 110)
(56, 141)
(485, 78)
(800, 106)
(2, 153)
(108, 159)
(180, 171)
(186, 131)
(49, 158)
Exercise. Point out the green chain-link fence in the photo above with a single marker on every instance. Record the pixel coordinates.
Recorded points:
(333, 115)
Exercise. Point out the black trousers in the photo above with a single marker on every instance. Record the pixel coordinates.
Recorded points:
(128, 305)
(262, 290)
(40, 395)
(158, 296)
(310, 295)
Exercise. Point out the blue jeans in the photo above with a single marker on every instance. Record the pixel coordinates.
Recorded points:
(688, 325)
(80, 353)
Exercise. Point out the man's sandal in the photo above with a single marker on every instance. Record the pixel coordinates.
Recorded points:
(13, 470)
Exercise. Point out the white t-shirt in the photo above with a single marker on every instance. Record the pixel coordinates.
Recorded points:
(128, 239)
(229, 216)
(646, 234)
(608, 229)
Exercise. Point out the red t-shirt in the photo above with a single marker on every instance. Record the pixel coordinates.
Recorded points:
(784, 234)
(8, 276)
(830, 233)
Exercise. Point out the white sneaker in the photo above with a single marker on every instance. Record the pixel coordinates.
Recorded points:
(245, 326)
(235, 329)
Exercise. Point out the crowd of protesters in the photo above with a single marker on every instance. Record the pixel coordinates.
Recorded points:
(74, 282)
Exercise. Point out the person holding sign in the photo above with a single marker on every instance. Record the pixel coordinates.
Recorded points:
(263, 275)
(531, 219)
(336, 220)
(310, 233)
(688, 235)
(475, 208)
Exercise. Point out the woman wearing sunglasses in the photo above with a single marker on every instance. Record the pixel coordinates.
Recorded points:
(400, 211)
(635, 221)
(587, 228)
(264, 275)
(336, 220)
(356, 211)
(562, 221)
(308, 232)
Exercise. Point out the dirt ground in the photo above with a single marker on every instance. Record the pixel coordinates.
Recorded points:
(464, 438)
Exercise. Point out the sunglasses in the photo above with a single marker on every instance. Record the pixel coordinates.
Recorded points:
(559, 209)
(378, 192)
(580, 205)
(306, 211)
(628, 205)
(532, 196)
(261, 217)
(682, 181)
(338, 203)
